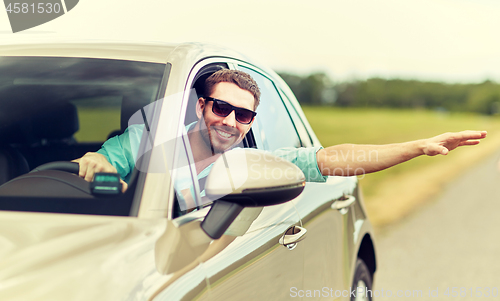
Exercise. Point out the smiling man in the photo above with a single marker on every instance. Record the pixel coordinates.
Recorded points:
(227, 112)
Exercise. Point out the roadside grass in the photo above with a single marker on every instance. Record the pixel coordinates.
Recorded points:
(97, 124)
(393, 193)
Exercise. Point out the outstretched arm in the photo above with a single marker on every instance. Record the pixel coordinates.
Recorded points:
(353, 159)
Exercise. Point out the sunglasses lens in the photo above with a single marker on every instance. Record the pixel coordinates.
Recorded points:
(244, 116)
(222, 109)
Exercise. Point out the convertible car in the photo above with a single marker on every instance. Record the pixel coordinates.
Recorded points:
(61, 238)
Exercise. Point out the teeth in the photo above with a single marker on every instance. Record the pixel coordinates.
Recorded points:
(224, 134)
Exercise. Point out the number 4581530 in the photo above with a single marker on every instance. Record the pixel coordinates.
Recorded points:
(41, 8)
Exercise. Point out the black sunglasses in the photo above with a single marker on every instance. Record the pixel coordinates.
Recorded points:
(223, 109)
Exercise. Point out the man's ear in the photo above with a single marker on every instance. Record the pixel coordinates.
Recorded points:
(200, 105)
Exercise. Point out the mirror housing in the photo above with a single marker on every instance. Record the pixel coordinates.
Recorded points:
(248, 178)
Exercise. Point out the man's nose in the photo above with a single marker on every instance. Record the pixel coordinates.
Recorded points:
(230, 120)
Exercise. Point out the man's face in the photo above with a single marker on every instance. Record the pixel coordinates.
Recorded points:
(222, 133)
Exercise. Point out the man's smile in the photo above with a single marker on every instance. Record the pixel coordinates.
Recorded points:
(225, 132)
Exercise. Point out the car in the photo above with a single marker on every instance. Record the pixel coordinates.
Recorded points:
(62, 238)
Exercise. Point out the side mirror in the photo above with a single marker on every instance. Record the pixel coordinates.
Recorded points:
(247, 178)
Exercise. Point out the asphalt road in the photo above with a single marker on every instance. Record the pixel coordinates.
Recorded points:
(452, 242)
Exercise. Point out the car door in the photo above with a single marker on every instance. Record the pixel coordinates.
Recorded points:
(163, 159)
(247, 262)
(327, 210)
(326, 248)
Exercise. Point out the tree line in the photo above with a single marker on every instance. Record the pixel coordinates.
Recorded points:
(319, 89)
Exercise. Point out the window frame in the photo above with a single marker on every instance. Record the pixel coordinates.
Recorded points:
(304, 134)
(279, 93)
(202, 209)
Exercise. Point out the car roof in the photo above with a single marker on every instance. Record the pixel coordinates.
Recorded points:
(143, 51)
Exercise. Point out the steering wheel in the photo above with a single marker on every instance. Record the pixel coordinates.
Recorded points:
(53, 179)
(67, 166)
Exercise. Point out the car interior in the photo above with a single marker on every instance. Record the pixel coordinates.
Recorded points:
(58, 109)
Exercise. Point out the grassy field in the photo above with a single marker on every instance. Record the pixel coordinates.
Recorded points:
(393, 193)
(96, 124)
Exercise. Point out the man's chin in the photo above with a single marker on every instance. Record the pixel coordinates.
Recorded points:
(220, 148)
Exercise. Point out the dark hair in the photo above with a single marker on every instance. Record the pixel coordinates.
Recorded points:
(239, 78)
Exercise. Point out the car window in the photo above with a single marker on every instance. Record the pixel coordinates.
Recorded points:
(305, 138)
(188, 184)
(273, 128)
(58, 109)
(187, 193)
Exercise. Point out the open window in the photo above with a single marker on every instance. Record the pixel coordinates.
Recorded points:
(271, 111)
(190, 196)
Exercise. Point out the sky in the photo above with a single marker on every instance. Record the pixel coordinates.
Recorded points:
(435, 40)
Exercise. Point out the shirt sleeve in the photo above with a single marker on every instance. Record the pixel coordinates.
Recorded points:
(305, 159)
(121, 151)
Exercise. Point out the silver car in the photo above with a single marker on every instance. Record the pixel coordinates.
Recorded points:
(62, 238)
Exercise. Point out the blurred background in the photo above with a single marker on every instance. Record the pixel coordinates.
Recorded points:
(364, 71)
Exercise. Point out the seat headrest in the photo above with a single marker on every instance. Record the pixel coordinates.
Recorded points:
(55, 122)
(58, 123)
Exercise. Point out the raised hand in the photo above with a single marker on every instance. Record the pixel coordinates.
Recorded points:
(444, 143)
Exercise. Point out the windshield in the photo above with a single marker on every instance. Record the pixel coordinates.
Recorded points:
(58, 109)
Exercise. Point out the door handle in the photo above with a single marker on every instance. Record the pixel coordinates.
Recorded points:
(343, 202)
(292, 236)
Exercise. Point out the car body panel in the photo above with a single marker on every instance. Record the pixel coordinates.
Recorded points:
(157, 256)
(154, 53)
(59, 257)
(247, 268)
(327, 227)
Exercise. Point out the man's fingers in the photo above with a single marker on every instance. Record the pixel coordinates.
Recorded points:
(443, 151)
(89, 175)
(82, 171)
(94, 168)
(469, 142)
(464, 135)
(444, 143)
(92, 163)
(436, 149)
(124, 185)
(106, 168)
(467, 135)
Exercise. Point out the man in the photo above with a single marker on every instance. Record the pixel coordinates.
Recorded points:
(227, 112)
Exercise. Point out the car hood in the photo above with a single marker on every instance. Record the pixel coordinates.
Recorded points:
(76, 257)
